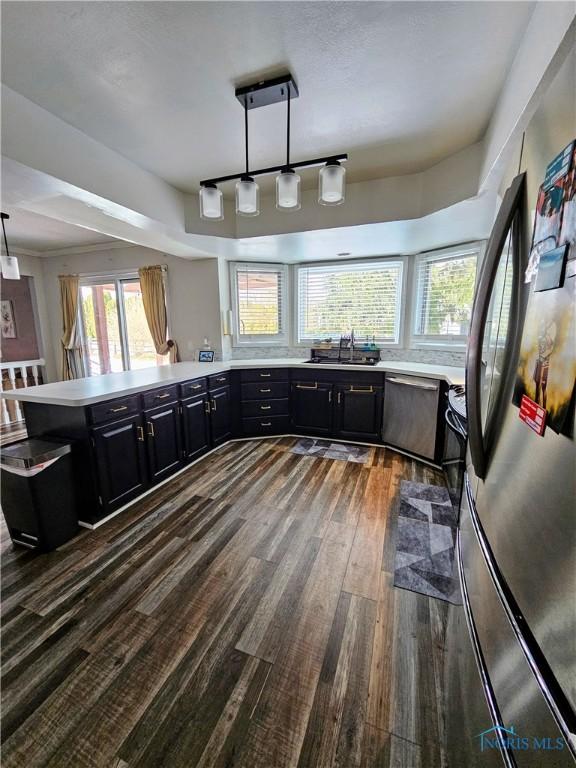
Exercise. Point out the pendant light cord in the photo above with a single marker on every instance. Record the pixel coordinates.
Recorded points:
(246, 131)
(4, 216)
(288, 132)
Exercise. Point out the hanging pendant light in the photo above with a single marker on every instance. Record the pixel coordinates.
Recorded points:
(10, 268)
(247, 196)
(288, 191)
(331, 189)
(288, 182)
(211, 203)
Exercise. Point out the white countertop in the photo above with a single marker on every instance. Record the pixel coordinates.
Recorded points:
(95, 389)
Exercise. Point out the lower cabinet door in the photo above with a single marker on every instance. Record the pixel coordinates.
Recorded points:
(163, 441)
(195, 427)
(312, 408)
(358, 412)
(120, 456)
(220, 415)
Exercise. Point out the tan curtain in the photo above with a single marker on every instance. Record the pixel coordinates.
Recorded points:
(154, 300)
(72, 361)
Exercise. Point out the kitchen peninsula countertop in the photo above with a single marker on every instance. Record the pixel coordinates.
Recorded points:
(96, 389)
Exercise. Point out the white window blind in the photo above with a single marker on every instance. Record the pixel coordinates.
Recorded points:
(259, 292)
(444, 295)
(364, 297)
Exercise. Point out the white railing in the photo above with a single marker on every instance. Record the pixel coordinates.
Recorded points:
(23, 373)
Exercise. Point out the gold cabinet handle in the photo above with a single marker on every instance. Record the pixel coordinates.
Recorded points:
(150, 429)
(161, 397)
(120, 408)
(266, 390)
(307, 386)
(265, 423)
(214, 405)
(329, 395)
(140, 433)
(207, 406)
(222, 378)
(339, 397)
(265, 407)
(196, 386)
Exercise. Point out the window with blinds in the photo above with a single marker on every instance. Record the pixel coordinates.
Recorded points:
(364, 297)
(259, 292)
(444, 295)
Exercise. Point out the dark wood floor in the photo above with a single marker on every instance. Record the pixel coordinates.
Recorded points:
(242, 615)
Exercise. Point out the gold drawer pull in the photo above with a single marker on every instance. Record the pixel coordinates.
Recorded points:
(196, 386)
(365, 391)
(161, 397)
(265, 375)
(265, 407)
(140, 433)
(307, 386)
(265, 390)
(265, 423)
(120, 408)
(222, 378)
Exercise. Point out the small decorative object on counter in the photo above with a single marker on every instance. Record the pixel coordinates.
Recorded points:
(206, 356)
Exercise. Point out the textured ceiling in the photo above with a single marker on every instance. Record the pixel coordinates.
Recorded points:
(398, 85)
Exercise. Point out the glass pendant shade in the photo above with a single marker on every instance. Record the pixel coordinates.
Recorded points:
(331, 187)
(288, 191)
(211, 203)
(10, 268)
(247, 197)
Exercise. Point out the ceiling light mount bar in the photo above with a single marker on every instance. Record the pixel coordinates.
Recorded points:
(277, 168)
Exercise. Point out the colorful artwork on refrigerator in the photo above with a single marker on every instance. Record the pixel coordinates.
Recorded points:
(547, 366)
(551, 269)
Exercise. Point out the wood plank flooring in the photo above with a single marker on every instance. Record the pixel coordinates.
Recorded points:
(241, 616)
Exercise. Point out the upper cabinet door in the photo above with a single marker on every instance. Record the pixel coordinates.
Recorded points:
(163, 441)
(495, 326)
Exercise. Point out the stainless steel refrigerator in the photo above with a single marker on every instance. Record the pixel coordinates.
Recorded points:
(510, 671)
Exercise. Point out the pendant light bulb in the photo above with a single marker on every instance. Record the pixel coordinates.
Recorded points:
(247, 196)
(211, 203)
(288, 191)
(331, 188)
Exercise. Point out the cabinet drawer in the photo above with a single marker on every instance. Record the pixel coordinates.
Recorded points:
(114, 409)
(219, 380)
(264, 408)
(160, 396)
(268, 425)
(191, 388)
(271, 390)
(265, 374)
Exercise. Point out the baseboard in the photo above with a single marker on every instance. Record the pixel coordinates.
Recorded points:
(93, 526)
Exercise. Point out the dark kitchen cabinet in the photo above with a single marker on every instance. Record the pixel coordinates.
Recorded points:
(195, 427)
(312, 407)
(220, 415)
(120, 459)
(163, 441)
(358, 412)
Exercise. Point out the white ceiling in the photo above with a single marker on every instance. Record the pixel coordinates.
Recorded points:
(33, 232)
(398, 85)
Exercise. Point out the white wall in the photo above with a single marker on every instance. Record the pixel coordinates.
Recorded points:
(194, 310)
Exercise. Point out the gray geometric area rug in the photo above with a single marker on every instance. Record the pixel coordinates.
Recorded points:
(425, 543)
(326, 450)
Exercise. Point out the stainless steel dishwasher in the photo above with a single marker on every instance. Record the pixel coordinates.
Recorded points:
(410, 414)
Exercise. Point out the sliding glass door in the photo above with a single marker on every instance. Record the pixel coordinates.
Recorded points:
(115, 333)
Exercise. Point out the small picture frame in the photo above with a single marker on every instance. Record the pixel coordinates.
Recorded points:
(551, 269)
(206, 356)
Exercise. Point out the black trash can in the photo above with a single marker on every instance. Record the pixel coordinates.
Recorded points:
(37, 490)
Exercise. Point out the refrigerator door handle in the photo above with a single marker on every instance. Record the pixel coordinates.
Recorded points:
(511, 206)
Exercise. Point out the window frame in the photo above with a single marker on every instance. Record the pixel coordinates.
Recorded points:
(439, 342)
(117, 279)
(257, 340)
(402, 261)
